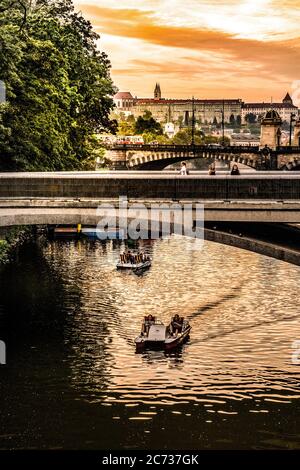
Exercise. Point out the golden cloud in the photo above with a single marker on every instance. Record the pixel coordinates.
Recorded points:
(217, 59)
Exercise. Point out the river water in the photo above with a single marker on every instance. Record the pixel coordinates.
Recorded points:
(74, 381)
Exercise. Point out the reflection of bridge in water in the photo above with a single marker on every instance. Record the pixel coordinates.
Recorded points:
(157, 157)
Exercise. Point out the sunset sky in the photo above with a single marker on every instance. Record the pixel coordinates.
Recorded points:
(247, 49)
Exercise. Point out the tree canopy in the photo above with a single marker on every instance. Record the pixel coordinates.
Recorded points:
(58, 86)
(147, 124)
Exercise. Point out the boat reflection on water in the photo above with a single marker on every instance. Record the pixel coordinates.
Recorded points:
(155, 356)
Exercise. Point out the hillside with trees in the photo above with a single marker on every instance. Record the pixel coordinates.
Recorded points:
(58, 87)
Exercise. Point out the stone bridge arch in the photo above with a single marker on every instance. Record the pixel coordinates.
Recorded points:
(160, 160)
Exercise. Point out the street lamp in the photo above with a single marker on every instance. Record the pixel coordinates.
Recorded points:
(292, 116)
(222, 111)
(193, 122)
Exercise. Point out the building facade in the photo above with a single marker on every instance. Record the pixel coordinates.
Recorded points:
(255, 112)
(180, 111)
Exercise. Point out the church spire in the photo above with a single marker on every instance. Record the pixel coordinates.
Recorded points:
(157, 92)
(287, 99)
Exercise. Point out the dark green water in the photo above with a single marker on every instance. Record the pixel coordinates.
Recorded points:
(73, 380)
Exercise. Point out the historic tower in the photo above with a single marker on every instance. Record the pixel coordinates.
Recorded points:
(296, 140)
(270, 133)
(157, 92)
(287, 99)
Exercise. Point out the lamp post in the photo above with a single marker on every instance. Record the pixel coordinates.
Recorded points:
(193, 121)
(223, 123)
(292, 116)
(222, 111)
(193, 126)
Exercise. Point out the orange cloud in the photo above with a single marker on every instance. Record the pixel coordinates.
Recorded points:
(272, 60)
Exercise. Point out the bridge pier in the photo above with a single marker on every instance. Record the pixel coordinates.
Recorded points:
(117, 159)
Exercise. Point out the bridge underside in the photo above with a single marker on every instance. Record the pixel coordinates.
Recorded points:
(159, 164)
(60, 212)
(249, 236)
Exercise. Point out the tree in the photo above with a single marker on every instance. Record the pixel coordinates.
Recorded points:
(148, 124)
(59, 90)
(149, 138)
(232, 120)
(250, 118)
(126, 126)
(184, 137)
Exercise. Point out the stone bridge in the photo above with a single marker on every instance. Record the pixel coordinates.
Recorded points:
(70, 198)
(157, 157)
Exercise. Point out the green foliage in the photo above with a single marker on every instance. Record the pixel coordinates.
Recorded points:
(14, 238)
(149, 138)
(4, 249)
(126, 126)
(250, 118)
(184, 137)
(232, 121)
(59, 90)
(147, 124)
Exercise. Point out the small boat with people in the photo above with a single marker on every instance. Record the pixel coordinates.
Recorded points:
(133, 261)
(155, 334)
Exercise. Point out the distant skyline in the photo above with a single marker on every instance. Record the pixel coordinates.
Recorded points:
(246, 49)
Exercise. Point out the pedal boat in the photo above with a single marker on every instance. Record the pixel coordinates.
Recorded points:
(160, 337)
(134, 266)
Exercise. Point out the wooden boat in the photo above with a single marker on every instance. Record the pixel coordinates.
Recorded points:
(160, 336)
(134, 266)
(140, 263)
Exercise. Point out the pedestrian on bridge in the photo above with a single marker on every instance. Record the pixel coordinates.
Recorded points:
(235, 170)
(183, 170)
(212, 170)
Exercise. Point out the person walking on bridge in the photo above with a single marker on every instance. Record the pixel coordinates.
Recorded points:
(235, 170)
(183, 170)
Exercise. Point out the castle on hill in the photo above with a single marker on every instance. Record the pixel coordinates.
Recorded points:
(208, 111)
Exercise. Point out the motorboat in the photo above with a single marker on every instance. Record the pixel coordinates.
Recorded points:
(157, 335)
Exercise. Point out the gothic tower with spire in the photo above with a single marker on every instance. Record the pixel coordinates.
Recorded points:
(157, 92)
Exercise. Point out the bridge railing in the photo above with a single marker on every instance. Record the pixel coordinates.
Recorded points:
(288, 149)
(211, 148)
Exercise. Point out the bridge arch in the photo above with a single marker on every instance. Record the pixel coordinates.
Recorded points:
(159, 161)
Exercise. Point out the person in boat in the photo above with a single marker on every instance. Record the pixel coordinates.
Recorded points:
(176, 324)
(148, 321)
(130, 257)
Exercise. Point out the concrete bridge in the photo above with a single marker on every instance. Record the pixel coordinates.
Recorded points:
(71, 198)
(157, 157)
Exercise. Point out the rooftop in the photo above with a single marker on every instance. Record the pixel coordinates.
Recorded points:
(181, 101)
(123, 95)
